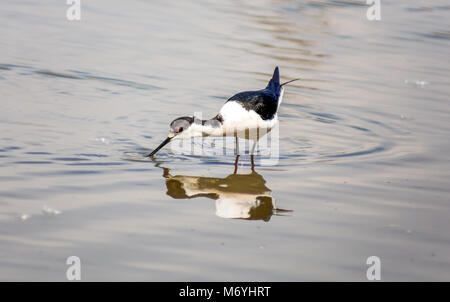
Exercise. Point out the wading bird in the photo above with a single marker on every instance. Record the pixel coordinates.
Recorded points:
(239, 196)
(248, 114)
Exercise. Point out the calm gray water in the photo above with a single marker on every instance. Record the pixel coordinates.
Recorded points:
(364, 163)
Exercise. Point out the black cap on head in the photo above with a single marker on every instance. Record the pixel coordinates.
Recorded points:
(180, 124)
(176, 127)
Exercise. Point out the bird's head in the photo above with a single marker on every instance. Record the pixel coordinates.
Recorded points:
(179, 128)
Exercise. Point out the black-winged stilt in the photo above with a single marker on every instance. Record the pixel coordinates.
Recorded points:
(241, 196)
(249, 115)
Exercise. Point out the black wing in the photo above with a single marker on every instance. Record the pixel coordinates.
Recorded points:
(264, 102)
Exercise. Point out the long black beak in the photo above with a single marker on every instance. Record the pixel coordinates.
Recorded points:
(165, 142)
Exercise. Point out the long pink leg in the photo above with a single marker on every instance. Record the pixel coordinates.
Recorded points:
(236, 164)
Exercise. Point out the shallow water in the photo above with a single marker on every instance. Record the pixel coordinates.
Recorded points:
(364, 165)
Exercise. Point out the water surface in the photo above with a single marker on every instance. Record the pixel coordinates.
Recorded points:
(364, 149)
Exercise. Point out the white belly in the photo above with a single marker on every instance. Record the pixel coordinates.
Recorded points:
(237, 121)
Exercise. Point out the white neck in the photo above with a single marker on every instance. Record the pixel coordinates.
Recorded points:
(201, 128)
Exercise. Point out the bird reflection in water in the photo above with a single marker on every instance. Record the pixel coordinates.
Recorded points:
(241, 196)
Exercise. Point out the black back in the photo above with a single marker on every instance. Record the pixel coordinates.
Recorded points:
(265, 101)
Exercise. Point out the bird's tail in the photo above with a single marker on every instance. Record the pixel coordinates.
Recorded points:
(274, 83)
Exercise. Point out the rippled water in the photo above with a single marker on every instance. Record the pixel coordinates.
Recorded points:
(364, 159)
